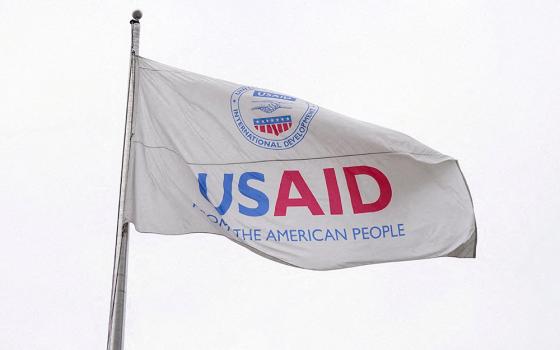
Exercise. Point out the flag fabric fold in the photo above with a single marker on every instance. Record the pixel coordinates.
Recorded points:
(289, 180)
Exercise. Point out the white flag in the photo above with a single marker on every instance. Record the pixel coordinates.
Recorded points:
(288, 179)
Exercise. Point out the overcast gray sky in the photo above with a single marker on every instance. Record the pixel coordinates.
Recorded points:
(478, 80)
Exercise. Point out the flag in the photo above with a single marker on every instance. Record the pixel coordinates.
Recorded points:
(285, 178)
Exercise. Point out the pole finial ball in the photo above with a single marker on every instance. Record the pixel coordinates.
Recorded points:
(137, 14)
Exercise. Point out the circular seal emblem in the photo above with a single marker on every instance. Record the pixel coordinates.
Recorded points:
(271, 120)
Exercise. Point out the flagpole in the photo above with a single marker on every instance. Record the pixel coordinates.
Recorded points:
(115, 337)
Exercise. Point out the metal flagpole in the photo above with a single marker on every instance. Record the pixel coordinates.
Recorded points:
(118, 293)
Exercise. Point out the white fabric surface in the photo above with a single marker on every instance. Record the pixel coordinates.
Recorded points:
(186, 125)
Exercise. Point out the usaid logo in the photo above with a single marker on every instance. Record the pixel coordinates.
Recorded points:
(293, 191)
(269, 119)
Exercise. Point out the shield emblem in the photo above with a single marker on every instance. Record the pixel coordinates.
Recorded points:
(273, 125)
